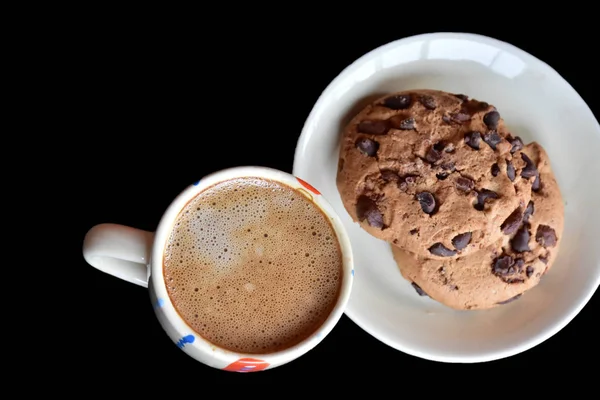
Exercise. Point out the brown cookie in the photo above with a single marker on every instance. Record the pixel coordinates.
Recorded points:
(506, 269)
(432, 172)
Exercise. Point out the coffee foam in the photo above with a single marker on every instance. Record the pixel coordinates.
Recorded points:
(252, 265)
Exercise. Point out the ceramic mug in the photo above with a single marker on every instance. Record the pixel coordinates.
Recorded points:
(137, 257)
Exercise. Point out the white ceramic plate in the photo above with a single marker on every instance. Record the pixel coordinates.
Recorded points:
(537, 104)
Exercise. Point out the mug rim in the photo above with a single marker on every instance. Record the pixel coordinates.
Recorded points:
(162, 299)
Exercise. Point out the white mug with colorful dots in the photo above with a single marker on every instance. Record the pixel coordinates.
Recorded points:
(137, 257)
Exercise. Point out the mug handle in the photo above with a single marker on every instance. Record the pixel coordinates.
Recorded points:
(119, 250)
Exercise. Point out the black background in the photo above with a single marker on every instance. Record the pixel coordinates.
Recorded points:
(158, 105)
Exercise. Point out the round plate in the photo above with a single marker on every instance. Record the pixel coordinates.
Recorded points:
(537, 105)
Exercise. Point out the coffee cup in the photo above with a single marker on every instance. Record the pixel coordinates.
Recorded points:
(224, 291)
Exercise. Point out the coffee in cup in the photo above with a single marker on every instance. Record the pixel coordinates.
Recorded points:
(252, 265)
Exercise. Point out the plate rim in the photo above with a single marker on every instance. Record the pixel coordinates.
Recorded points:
(302, 140)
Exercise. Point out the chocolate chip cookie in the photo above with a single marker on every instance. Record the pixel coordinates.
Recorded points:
(503, 271)
(435, 173)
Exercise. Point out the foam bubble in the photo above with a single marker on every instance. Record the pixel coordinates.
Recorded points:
(252, 265)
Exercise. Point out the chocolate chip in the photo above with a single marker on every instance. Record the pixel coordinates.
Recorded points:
(367, 209)
(530, 169)
(374, 127)
(439, 249)
(389, 176)
(461, 241)
(375, 219)
(428, 102)
(460, 117)
(517, 144)
(529, 271)
(545, 236)
(402, 122)
(535, 186)
(420, 291)
(427, 202)
(520, 242)
(398, 102)
(447, 119)
(510, 171)
(449, 166)
(482, 196)
(442, 175)
(504, 266)
(544, 259)
(440, 146)
(508, 269)
(414, 231)
(363, 204)
(495, 170)
(407, 124)
(367, 146)
(511, 299)
(472, 139)
(528, 211)
(512, 223)
(463, 97)
(433, 155)
(491, 119)
(464, 184)
(492, 139)
(405, 181)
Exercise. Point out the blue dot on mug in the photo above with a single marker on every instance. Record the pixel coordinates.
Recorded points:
(185, 339)
(197, 182)
(352, 272)
(159, 303)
